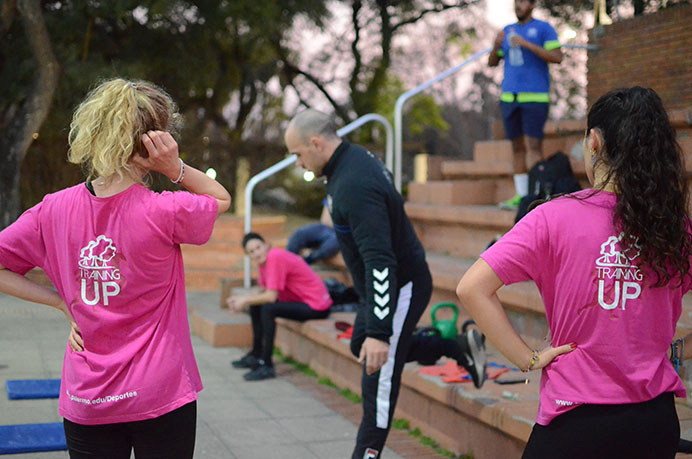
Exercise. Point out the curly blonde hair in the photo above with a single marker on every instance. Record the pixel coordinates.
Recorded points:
(107, 127)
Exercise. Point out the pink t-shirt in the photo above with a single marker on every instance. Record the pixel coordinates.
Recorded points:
(293, 280)
(594, 296)
(117, 263)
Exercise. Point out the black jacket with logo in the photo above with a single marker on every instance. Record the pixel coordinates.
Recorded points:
(377, 240)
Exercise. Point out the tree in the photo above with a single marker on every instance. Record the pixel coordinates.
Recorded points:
(22, 116)
(366, 45)
(215, 58)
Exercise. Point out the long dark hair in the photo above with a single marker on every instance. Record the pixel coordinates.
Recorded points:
(644, 162)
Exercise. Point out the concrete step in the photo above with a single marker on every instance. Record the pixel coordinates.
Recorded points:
(462, 231)
(221, 328)
(495, 169)
(453, 192)
(212, 259)
(455, 169)
(681, 119)
(552, 128)
(209, 280)
(492, 422)
(231, 227)
(501, 150)
(222, 256)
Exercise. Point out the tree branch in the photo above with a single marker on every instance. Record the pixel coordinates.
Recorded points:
(358, 60)
(422, 13)
(18, 134)
(291, 71)
(36, 106)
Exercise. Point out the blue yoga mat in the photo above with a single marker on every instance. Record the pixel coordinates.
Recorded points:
(32, 388)
(29, 438)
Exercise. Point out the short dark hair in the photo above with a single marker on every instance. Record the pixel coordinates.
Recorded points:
(250, 236)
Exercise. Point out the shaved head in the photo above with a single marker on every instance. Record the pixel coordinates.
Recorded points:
(311, 136)
(312, 122)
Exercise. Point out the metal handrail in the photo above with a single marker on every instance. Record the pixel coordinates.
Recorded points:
(398, 108)
(591, 47)
(283, 164)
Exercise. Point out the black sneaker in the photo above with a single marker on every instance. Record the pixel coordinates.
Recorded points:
(263, 371)
(249, 361)
(473, 358)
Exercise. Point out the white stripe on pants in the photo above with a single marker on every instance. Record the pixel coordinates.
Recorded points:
(384, 384)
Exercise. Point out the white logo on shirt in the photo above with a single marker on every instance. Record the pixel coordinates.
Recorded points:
(380, 287)
(532, 32)
(564, 402)
(618, 265)
(329, 203)
(95, 264)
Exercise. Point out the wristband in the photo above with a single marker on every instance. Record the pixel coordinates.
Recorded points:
(181, 176)
(534, 361)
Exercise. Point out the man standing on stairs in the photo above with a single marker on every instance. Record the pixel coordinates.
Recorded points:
(527, 47)
(389, 271)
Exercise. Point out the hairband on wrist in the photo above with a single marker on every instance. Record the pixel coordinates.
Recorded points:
(533, 362)
(182, 173)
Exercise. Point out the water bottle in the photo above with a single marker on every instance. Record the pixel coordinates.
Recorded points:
(516, 58)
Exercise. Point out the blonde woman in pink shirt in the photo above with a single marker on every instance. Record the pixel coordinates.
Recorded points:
(111, 248)
(612, 265)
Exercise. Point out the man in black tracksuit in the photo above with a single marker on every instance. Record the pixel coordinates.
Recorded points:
(389, 271)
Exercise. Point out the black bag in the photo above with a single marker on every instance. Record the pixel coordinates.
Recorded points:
(548, 178)
(340, 293)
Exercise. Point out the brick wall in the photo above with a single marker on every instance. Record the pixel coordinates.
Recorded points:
(654, 51)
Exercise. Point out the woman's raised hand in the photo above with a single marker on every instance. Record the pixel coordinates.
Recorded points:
(163, 154)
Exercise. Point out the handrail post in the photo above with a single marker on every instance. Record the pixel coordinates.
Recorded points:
(399, 106)
(283, 164)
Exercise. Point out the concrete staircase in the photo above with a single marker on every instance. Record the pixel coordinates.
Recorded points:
(222, 256)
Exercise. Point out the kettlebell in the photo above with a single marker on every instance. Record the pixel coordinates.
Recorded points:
(447, 327)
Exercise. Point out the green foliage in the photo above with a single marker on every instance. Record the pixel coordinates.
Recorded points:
(205, 53)
(327, 382)
(401, 424)
(420, 113)
(352, 396)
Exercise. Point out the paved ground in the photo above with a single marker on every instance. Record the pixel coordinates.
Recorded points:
(236, 419)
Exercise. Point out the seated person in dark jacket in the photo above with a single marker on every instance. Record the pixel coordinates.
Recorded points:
(319, 237)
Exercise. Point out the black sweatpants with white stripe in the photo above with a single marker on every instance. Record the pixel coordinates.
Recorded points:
(380, 390)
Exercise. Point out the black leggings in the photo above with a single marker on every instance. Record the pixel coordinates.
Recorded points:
(169, 435)
(264, 324)
(648, 430)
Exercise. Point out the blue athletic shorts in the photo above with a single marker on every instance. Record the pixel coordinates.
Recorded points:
(526, 118)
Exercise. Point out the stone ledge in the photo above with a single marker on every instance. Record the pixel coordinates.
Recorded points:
(221, 328)
(481, 216)
(461, 418)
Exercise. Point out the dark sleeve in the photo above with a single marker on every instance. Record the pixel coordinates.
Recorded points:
(368, 218)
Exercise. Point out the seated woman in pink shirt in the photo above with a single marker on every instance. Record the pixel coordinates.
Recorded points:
(290, 289)
(111, 248)
(612, 265)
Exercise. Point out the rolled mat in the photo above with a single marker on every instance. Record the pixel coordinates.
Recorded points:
(19, 389)
(30, 438)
